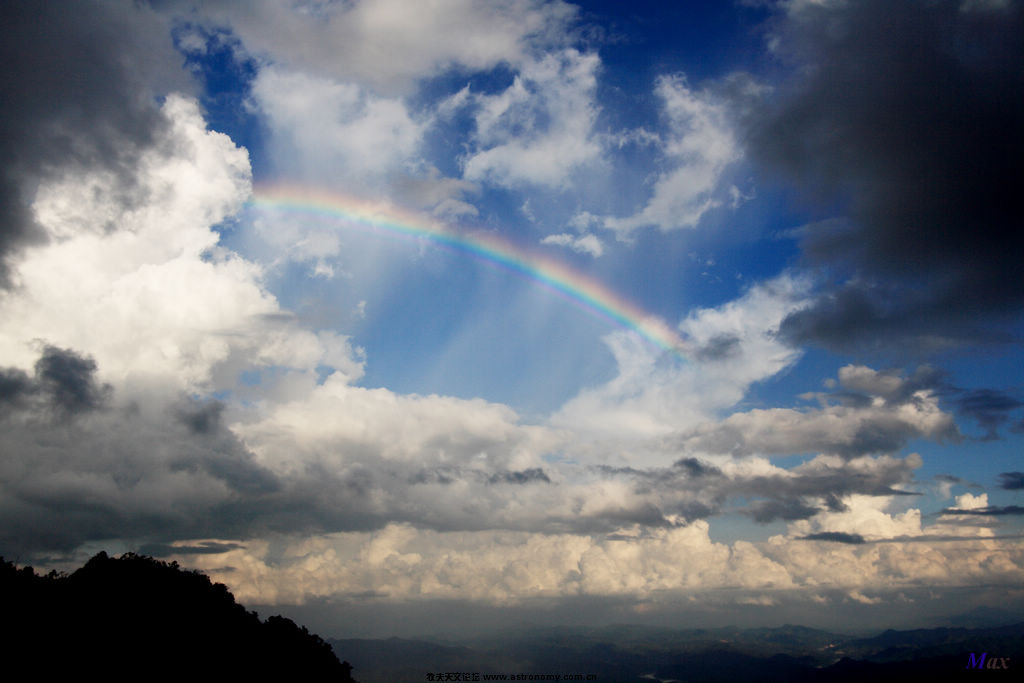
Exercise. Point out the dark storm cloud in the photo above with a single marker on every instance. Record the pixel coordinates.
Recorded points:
(77, 92)
(1011, 481)
(835, 537)
(63, 385)
(15, 386)
(80, 466)
(909, 114)
(69, 381)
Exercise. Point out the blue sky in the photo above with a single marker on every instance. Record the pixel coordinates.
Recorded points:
(331, 412)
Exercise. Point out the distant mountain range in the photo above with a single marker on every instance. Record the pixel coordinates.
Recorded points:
(638, 654)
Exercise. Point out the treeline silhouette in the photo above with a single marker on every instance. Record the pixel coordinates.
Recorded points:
(139, 616)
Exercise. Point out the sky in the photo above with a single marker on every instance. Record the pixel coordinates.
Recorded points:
(439, 316)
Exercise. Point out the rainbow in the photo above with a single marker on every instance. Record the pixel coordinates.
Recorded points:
(581, 289)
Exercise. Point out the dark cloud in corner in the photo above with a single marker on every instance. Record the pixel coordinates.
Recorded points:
(909, 115)
(77, 92)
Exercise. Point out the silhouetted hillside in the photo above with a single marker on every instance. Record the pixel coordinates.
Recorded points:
(139, 616)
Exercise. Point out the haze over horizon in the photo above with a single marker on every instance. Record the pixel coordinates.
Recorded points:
(438, 317)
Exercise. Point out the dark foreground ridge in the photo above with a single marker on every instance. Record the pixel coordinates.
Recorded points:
(139, 616)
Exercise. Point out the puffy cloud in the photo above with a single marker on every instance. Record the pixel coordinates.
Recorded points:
(883, 121)
(583, 244)
(400, 564)
(389, 44)
(969, 501)
(653, 395)
(969, 505)
(539, 129)
(700, 144)
(175, 307)
(864, 516)
(336, 130)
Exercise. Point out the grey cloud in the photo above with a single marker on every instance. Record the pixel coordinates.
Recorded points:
(990, 511)
(788, 432)
(695, 468)
(797, 497)
(201, 417)
(204, 548)
(947, 538)
(893, 385)
(849, 399)
(847, 424)
(789, 510)
(908, 115)
(803, 492)
(835, 537)
(450, 475)
(835, 504)
(78, 92)
(722, 347)
(68, 380)
(831, 483)
(528, 476)
(990, 408)
(432, 476)
(15, 386)
(1011, 481)
(63, 385)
